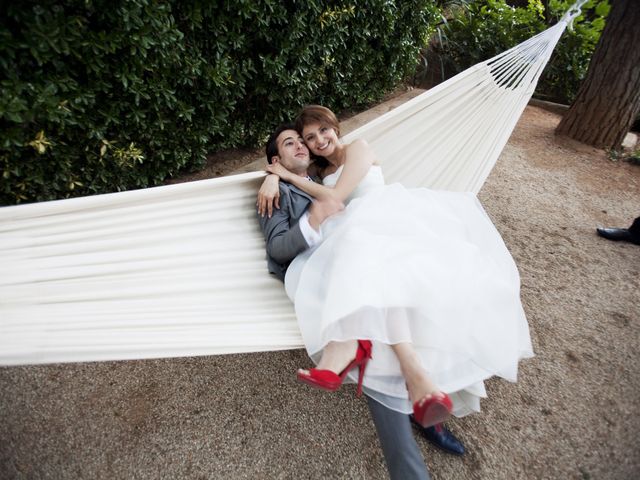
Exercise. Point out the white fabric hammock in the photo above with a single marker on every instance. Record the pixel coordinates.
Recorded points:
(181, 270)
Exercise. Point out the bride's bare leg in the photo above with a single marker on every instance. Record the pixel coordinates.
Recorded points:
(336, 356)
(418, 382)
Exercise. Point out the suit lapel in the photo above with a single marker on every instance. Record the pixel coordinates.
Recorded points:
(293, 188)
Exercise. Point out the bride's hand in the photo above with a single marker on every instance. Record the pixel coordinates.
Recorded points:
(280, 171)
(321, 209)
(268, 195)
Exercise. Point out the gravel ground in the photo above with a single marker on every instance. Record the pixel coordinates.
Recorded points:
(574, 413)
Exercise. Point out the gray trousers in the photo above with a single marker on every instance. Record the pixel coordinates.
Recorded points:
(401, 452)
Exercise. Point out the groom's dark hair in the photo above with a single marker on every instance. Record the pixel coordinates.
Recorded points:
(272, 145)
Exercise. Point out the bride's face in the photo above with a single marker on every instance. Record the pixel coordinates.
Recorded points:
(321, 139)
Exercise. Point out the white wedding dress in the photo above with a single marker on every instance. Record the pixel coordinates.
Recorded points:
(420, 266)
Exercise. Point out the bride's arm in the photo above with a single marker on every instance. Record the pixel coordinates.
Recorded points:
(269, 193)
(359, 158)
(358, 161)
(268, 196)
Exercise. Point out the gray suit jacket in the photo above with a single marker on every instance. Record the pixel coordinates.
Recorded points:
(282, 231)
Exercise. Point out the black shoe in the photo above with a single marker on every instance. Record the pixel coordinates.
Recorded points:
(618, 234)
(441, 437)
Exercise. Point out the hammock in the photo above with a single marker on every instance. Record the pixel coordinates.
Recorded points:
(181, 270)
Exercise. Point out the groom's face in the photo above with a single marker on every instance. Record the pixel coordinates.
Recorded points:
(293, 154)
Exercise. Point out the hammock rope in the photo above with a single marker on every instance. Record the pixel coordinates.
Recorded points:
(180, 270)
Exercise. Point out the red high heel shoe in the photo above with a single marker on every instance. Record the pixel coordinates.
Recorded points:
(433, 410)
(328, 380)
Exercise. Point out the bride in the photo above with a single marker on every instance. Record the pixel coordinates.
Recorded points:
(414, 285)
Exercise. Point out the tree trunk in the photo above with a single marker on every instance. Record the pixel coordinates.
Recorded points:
(609, 98)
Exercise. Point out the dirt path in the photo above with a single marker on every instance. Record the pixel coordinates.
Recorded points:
(574, 413)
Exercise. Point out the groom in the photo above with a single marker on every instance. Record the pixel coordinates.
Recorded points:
(293, 228)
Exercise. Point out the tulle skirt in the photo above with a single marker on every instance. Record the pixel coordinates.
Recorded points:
(420, 266)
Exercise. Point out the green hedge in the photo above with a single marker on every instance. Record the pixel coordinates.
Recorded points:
(485, 28)
(98, 96)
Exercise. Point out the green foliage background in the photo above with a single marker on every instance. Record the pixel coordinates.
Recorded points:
(478, 30)
(98, 96)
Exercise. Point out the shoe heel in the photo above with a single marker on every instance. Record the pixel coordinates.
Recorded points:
(364, 351)
(363, 365)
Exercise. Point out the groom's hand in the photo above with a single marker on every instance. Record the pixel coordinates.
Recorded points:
(322, 209)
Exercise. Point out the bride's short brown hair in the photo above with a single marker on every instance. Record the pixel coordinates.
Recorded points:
(317, 113)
